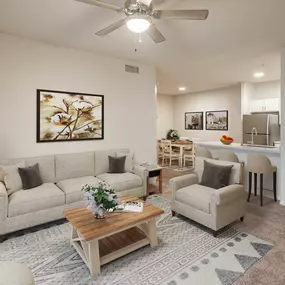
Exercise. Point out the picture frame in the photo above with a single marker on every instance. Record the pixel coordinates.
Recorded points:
(194, 120)
(217, 120)
(64, 116)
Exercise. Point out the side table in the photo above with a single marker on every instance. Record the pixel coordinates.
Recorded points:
(154, 172)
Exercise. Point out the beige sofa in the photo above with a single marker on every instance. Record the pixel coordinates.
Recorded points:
(63, 177)
(213, 208)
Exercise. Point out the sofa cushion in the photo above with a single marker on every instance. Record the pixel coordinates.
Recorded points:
(102, 160)
(129, 163)
(43, 197)
(72, 187)
(12, 177)
(74, 165)
(46, 165)
(121, 181)
(30, 176)
(117, 164)
(196, 196)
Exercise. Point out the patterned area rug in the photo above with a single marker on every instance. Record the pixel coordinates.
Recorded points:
(187, 254)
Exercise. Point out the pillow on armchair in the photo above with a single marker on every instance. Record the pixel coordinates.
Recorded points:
(216, 176)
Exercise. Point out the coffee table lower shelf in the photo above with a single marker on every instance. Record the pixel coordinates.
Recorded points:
(98, 252)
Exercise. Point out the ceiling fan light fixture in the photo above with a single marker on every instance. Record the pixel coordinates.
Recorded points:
(138, 24)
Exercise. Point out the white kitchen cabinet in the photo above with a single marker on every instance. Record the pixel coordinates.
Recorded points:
(257, 106)
(272, 104)
(265, 105)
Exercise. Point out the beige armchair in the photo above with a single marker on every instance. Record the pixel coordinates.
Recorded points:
(213, 208)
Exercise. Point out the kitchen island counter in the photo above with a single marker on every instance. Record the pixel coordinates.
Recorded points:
(238, 147)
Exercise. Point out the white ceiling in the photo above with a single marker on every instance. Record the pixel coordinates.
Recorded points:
(238, 37)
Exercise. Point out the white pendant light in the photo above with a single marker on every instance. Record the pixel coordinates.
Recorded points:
(138, 23)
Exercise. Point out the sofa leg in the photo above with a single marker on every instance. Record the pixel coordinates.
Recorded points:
(241, 219)
(173, 213)
(215, 233)
(3, 238)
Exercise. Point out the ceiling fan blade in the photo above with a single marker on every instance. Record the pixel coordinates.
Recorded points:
(182, 14)
(111, 28)
(102, 4)
(145, 2)
(155, 34)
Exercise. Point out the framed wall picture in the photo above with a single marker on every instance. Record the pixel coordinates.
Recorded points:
(194, 121)
(69, 116)
(217, 120)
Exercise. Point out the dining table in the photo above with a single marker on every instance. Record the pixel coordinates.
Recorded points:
(182, 145)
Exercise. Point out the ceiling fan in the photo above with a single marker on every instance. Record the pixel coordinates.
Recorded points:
(140, 15)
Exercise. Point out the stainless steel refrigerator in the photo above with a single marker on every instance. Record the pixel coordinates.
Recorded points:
(261, 129)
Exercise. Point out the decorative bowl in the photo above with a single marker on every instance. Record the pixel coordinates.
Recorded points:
(226, 142)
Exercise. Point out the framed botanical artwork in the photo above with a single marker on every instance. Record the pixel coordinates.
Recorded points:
(69, 116)
(217, 120)
(194, 120)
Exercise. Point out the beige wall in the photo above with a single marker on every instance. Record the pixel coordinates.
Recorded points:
(220, 99)
(130, 102)
(165, 114)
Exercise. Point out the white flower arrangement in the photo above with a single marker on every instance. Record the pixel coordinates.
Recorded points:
(102, 197)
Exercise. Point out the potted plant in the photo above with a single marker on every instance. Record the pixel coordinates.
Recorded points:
(101, 198)
(172, 135)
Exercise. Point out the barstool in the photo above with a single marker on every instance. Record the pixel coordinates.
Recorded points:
(203, 152)
(260, 164)
(227, 155)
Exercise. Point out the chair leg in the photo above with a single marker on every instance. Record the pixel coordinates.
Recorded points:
(241, 219)
(255, 184)
(173, 213)
(249, 185)
(275, 185)
(261, 190)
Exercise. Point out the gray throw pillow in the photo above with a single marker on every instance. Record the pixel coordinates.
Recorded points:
(216, 176)
(30, 176)
(117, 164)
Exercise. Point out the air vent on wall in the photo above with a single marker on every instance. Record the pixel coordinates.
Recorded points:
(132, 69)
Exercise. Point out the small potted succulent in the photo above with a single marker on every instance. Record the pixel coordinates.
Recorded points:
(172, 135)
(101, 198)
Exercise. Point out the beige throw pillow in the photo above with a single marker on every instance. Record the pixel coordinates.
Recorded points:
(12, 177)
(129, 164)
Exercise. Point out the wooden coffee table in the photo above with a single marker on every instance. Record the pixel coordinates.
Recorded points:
(101, 241)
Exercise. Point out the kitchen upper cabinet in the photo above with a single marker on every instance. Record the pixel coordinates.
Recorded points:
(265, 105)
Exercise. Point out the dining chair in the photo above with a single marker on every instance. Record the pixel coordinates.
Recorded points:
(168, 153)
(188, 155)
(159, 151)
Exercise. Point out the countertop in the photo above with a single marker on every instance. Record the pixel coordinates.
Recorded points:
(238, 147)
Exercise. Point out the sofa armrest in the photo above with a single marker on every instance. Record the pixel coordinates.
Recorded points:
(142, 172)
(183, 181)
(228, 194)
(3, 202)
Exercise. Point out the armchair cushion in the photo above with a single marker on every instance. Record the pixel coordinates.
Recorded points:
(196, 196)
(228, 194)
(216, 176)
